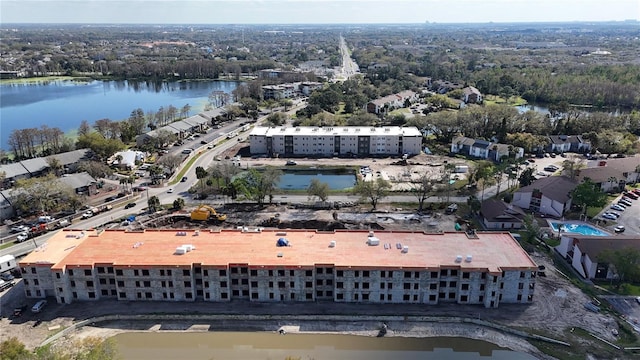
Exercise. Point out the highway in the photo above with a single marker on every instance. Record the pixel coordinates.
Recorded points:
(349, 67)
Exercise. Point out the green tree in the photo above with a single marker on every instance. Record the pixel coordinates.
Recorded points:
(96, 169)
(13, 349)
(531, 229)
(154, 204)
(178, 203)
(422, 190)
(372, 191)
(259, 185)
(625, 263)
(588, 194)
(318, 189)
(474, 204)
(571, 167)
(484, 174)
(526, 178)
(201, 174)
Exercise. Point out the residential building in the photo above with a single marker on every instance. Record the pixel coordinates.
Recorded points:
(310, 86)
(548, 195)
(471, 95)
(277, 74)
(391, 102)
(583, 253)
(279, 92)
(180, 129)
(485, 269)
(82, 183)
(127, 159)
(568, 143)
(444, 86)
(484, 149)
(497, 214)
(39, 166)
(330, 141)
(611, 175)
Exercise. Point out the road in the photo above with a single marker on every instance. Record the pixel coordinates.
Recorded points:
(349, 67)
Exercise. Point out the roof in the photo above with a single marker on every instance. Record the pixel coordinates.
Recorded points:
(483, 144)
(13, 170)
(561, 139)
(491, 251)
(556, 188)
(612, 168)
(196, 120)
(337, 130)
(181, 125)
(469, 90)
(71, 157)
(77, 180)
(595, 245)
(35, 165)
(463, 140)
(498, 210)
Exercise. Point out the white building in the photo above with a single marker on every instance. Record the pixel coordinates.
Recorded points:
(583, 253)
(330, 141)
(549, 195)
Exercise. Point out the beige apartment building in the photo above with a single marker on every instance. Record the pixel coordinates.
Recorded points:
(335, 141)
(276, 266)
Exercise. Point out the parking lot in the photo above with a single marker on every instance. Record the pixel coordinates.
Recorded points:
(629, 218)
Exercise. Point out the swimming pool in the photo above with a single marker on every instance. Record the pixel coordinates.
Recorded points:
(578, 228)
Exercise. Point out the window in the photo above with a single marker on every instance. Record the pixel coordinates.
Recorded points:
(483, 276)
(434, 274)
(222, 273)
(482, 287)
(407, 286)
(254, 273)
(57, 275)
(365, 285)
(356, 297)
(319, 293)
(416, 275)
(281, 284)
(365, 273)
(234, 270)
(112, 281)
(329, 293)
(254, 295)
(73, 283)
(521, 274)
(136, 272)
(100, 270)
(443, 272)
(339, 296)
(122, 295)
(319, 282)
(234, 281)
(145, 272)
(291, 273)
(365, 297)
(382, 285)
(443, 284)
(188, 295)
(162, 272)
(452, 296)
(110, 271)
(308, 273)
(464, 298)
(329, 271)
(205, 273)
(453, 284)
(245, 282)
(244, 270)
(197, 270)
(33, 271)
(466, 275)
(292, 284)
(454, 272)
(170, 283)
(235, 292)
(520, 286)
(120, 283)
(381, 297)
(103, 281)
(356, 285)
(407, 274)
(254, 284)
(147, 284)
(329, 282)
(432, 298)
(339, 285)
(433, 286)
(92, 295)
(118, 272)
(186, 272)
(406, 297)
(104, 292)
(389, 286)
(340, 273)
(465, 287)
(223, 284)
(224, 295)
(519, 297)
(357, 273)
(280, 272)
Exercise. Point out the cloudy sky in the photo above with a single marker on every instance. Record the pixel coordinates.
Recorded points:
(313, 11)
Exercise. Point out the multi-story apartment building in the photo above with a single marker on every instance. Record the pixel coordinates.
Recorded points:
(343, 266)
(330, 141)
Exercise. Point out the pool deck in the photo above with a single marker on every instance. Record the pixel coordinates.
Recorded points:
(577, 222)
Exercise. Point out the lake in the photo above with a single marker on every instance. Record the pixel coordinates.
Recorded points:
(65, 103)
(264, 345)
(300, 179)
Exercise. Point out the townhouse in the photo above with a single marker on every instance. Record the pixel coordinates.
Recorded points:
(391, 102)
(613, 174)
(548, 195)
(484, 149)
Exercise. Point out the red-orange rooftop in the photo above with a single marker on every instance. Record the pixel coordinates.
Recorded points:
(491, 251)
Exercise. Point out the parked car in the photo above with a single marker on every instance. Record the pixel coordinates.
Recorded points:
(130, 205)
(617, 207)
(39, 306)
(636, 191)
(6, 276)
(609, 216)
(170, 191)
(184, 179)
(625, 202)
(291, 162)
(619, 229)
(203, 142)
(632, 195)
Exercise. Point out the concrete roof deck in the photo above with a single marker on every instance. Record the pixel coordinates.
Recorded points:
(57, 248)
(490, 251)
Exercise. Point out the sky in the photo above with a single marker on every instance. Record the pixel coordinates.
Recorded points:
(313, 11)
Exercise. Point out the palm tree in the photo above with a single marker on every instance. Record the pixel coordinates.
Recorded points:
(201, 174)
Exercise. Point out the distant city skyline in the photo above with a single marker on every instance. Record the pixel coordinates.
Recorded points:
(314, 11)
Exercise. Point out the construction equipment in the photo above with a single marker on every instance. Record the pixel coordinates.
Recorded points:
(205, 212)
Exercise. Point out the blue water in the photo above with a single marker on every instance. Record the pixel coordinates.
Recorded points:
(64, 104)
(576, 228)
(300, 180)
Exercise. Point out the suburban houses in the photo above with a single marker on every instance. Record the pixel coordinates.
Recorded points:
(613, 174)
(498, 215)
(583, 253)
(568, 143)
(391, 102)
(483, 149)
(548, 195)
(471, 95)
(277, 266)
(338, 140)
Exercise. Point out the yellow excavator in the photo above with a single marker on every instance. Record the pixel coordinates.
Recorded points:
(205, 212)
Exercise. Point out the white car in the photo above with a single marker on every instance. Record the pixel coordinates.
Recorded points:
(22, 237)
(618, 207)
(610, 216)
(19, 228)
(170, 191)
(624, 202)
(87, 214)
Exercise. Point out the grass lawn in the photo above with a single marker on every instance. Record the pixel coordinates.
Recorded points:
(6, 245)
(401, 111)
